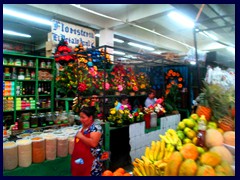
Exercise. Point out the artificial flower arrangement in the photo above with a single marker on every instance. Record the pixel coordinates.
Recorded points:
(143, 82)
(63, 54)
(157, 108)
(173, 78)
(98, 82)
(132, 84)
(117, 78)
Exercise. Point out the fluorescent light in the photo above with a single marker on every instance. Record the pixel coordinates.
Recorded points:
(130, 57)
(118, 40)
(181, 19)
(209, 35)
(141, 46)
(97, 35)
(118, 52)
(157, 52)
(16, 33)
(231, 49)
(192, 62)
(26, 16)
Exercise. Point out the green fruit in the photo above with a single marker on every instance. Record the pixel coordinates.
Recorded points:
(186, 140)
(180, 135)
(191, 134)
(195, 128)
(200, 150)
(194, 117)
(185, 120)
(190, 123)
(186, 129)
(212, 125)
(181, 125)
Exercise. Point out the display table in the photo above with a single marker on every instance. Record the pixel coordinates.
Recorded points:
(57, 167)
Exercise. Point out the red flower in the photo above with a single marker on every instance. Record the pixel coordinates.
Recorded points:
(82, 87)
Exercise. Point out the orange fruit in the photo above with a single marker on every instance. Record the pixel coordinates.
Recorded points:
(116, 173)
(127, 174)
(120, 170)
(107, 173)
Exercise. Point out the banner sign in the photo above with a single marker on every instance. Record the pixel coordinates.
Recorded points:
(73, 34)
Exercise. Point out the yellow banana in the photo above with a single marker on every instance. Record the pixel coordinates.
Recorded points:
(134, 164)
(146, 160)
(169, 137)
(142, 170)
(151, 155)
(164, 138)
(139, 161)
(162, 165)
(157, 150)
(167, 150)
(147, 150)
(147, 170)
(162, 150)
(152, 170)
(156, 163)
(136, 172)
(153, 145)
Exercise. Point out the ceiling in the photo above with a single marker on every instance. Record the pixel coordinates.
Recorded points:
(143, 23)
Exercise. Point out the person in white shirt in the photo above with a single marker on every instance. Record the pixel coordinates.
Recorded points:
(151, 100)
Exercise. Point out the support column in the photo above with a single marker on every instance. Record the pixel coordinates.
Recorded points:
(106, 37)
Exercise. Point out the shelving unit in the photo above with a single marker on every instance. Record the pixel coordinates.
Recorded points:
(33, 82)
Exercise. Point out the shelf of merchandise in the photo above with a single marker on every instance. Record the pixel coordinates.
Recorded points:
(36, 68)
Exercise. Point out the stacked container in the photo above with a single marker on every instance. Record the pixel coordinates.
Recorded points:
(70, 144)
(51, 146)
(24, 152)
(62, 146)
(10, 155)
(38, 150)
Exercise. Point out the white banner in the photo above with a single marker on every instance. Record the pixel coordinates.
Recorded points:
(73, 34)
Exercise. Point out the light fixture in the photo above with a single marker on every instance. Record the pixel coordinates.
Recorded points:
(118, 53)
(15, 33)
(192, 62)
(141, 46)
(181, 19)
(130, 57)
(26, 17)
(157, 52)
(97, 35)
(118, 40)
(231, 49)
(209, 35)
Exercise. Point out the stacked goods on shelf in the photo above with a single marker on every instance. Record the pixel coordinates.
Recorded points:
(182, 152)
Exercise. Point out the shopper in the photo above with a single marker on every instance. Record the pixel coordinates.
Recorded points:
(85, 160)
(151, 100)
(123, 104)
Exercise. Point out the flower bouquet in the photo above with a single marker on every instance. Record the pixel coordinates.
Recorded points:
(157, 108)
(143, 82)
(132, 84)
(117, 79)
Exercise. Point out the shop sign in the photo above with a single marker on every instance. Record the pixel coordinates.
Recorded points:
(73, 34)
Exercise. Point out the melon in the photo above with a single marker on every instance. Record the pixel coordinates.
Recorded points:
(210, 158)
(224, 153)
(213, 138)
(206, 170)
(229, 138)
(173, 165)
(188, 168)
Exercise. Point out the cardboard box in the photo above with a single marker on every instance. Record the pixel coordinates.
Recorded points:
(49, 46)
(50, 36)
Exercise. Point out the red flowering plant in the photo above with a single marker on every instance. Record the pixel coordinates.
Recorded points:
(132, 84)
(157, 108)
(117, 77)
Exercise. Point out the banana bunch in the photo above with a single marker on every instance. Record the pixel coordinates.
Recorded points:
(75, 104)
(171, 137)
(143, 168)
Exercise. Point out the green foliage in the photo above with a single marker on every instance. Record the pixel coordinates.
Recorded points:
(172, 99)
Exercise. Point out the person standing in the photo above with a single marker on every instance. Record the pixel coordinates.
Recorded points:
(151, 100)
(85, 159)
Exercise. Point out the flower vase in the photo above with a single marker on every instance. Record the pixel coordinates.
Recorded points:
(132, 93)
(117, 93)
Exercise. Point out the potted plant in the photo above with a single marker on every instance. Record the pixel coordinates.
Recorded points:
(172, 98)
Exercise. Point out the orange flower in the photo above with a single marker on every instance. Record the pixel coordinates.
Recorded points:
(180, 85)
(167, 91)
(180, 79)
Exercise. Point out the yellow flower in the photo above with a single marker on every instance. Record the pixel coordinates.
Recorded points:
(113, 111)
(121, 111)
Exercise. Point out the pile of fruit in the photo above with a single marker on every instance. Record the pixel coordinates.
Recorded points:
(118, 172)
(177, 153)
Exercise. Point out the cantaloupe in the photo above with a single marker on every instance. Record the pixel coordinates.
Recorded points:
(213, 138)
(188, 168)
(224, 153)
(210, 158)
(229, 138)
(206, 170)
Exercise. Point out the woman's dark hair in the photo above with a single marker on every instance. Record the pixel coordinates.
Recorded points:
(123, 97)
(151, 91)
(89, 111)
